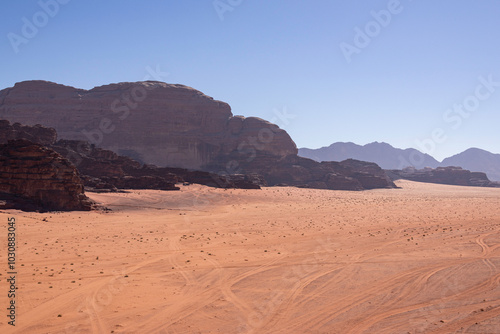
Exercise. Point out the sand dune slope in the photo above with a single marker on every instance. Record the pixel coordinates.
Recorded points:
(421, 259)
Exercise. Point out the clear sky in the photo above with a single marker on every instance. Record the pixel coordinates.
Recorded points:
(405, 72)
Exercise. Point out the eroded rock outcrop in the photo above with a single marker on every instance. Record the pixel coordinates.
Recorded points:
(33, 177)
(444, 175)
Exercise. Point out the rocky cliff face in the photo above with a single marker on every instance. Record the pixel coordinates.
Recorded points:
(153, 122)
(444, 175)
(33, 177)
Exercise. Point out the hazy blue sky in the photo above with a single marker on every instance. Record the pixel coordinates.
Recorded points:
(360, 71)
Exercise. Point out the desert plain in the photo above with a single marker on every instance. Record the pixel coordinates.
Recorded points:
(424, 258)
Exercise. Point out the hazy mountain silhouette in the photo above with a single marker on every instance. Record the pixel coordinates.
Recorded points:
(382, 154)
(389, 157)
(475, 159)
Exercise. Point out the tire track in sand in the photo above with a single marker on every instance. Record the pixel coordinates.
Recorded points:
(86, 293)
(199, 297)
(485, 286)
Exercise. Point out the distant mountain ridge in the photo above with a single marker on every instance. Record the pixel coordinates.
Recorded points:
(389, 157)
(476, 159)
(383, 154)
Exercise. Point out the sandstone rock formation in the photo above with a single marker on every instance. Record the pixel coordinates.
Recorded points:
(444, 175)
(33, 177)
(153, 122)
